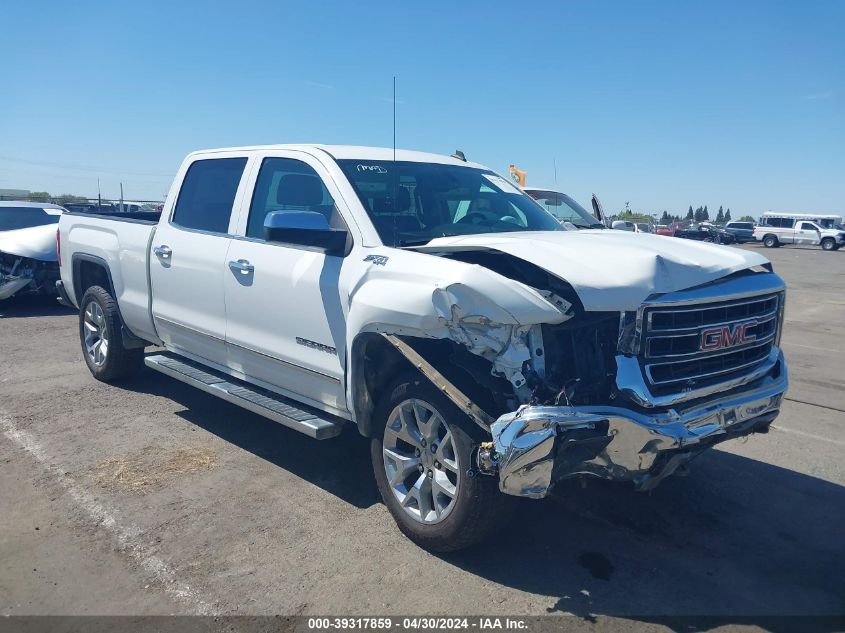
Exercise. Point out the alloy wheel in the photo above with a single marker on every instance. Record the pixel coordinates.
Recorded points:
(96, 334)
(420, 461)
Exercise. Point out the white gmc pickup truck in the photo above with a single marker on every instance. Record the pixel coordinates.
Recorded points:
(441, 310)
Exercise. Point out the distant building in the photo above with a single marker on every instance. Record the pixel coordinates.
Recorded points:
(14, 194)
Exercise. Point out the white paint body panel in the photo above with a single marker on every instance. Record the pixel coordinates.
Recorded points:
(35, 242)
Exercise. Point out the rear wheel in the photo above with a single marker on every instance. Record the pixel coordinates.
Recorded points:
(770, 241)
(829, 244)
(422, 458)
(101, 338)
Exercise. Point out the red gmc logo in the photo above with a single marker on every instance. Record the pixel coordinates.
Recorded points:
(727, 336)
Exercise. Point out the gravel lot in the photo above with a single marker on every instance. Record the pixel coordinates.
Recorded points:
(153, 498)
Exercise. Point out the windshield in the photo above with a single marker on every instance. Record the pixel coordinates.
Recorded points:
(565, 208)
(12, 218)
(644, 228)
(412, 203)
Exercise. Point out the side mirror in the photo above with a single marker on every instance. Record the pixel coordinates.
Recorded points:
(304, 228)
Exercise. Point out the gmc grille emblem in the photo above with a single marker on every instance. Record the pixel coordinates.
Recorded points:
(727, 336)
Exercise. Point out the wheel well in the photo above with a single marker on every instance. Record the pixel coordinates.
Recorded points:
(87, 273)
(374, 362)
(768, 235)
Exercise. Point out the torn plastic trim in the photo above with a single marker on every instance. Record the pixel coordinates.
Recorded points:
(471, 321)
(458, 397)
(534, 447)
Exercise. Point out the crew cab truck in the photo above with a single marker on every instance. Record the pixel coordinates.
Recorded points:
(777, 231)
(425, 299)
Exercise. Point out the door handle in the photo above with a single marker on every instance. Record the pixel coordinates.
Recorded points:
(242, 265)
(163, 251)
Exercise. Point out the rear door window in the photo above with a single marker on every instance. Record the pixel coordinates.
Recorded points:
(208, 194)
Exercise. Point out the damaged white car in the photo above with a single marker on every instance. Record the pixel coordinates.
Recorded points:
(430, 302)
(28, 262)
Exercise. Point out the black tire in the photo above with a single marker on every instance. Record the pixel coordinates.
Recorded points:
(117, 362)
(477, 504)
(829, 244)
(770, 241)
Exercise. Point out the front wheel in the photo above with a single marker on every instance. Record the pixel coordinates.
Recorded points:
(101, 338)
(828, 244)
(422, 457)
(770, 241)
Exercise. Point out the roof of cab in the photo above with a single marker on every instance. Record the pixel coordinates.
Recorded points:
(341, 152)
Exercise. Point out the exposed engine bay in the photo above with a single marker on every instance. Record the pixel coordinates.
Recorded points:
(24, 275)
(571, 362)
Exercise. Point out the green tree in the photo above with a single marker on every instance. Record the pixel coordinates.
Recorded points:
(69, 197)
(699, 214)
(728, 216)
(690, 214)
(747, 218)
(38, 196)
(704, 214)
(720, 216)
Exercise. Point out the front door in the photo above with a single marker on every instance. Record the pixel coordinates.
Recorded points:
(188, 260)
(806, 233)
(284, 313)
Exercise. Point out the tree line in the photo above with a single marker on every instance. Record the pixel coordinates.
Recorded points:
(702, 214)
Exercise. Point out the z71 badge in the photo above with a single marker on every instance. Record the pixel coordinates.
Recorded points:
(378, 260)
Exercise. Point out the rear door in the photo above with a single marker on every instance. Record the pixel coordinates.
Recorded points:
(188, 257)
(285, 324)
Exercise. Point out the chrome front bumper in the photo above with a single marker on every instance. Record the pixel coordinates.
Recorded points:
(536, 446)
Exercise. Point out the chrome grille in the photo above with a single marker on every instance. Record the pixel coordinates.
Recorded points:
(687, 346)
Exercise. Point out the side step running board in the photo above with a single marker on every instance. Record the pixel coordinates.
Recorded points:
(265, 403)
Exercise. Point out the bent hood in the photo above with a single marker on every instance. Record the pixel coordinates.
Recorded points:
(35, 242)
(611, 270)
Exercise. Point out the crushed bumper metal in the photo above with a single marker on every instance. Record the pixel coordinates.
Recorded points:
(536, 446)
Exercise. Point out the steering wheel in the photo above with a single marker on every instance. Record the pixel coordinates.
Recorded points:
(476, 217)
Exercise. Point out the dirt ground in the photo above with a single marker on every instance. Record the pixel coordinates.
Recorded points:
(154, 498)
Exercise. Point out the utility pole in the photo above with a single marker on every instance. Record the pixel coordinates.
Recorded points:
(121, 197)
(99, 197)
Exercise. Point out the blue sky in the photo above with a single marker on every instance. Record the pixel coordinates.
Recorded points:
(662, 104)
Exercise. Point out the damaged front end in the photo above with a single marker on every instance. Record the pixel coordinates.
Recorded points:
(20, 275)
(682, 380)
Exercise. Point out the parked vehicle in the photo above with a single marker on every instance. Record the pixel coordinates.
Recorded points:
(632, 227)
(564, 209)
(742, 231)
(705, 233)
(664, 229)
(435, 305)
(28, 262)
(789, 231)
(788, 220)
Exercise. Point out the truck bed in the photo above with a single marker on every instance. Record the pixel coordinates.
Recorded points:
(120, 242)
